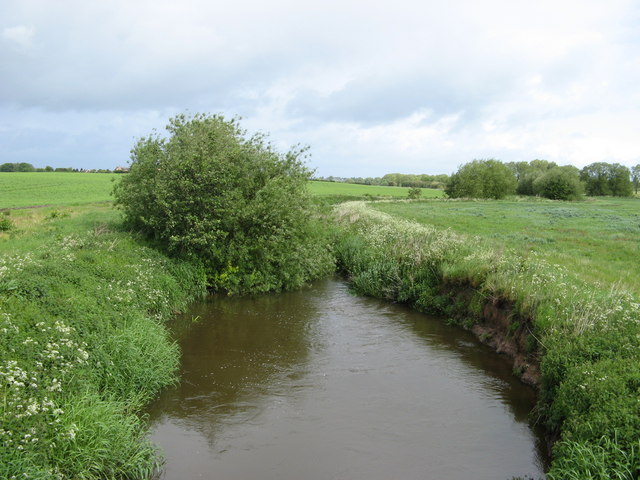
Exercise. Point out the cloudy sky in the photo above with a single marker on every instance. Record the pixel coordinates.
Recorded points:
(372, 86)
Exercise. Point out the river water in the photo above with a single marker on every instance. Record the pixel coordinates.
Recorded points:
(320, 384)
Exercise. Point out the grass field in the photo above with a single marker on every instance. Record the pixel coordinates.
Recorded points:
(354, 190)
(598, 240)
(19, 189)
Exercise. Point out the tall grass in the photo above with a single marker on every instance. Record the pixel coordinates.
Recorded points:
(587, 337)
(83, 347)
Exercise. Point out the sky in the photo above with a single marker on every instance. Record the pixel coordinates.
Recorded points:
(372, 87)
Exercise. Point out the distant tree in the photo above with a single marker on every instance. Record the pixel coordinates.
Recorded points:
(603, 178)
(527, 172)
(635, 177)
(482, 179)
(48, 169)
(25, 167)
(559, 183)
(17, 167)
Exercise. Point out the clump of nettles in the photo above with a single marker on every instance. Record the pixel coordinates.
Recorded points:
(209, 192)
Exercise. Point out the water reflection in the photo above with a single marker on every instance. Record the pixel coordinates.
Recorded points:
(322, 384)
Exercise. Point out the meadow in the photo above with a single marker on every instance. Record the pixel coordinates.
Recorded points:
(598, 240)
(18, 189)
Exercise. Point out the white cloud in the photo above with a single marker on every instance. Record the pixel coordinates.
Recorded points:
(372, 86)
(20, 34)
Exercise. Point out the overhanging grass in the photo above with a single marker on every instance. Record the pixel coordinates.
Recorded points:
(83, 346)
(588, 337)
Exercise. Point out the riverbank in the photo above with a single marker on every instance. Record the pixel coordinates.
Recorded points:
(82, 307)
(585, 338)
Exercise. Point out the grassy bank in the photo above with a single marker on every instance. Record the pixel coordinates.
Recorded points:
(83, 347)
(585, 337)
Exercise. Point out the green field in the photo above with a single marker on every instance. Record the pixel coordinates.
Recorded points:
(19, 189)
(598, 240)
(355, 190)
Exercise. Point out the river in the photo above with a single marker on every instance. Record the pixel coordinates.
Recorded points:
(320, 384)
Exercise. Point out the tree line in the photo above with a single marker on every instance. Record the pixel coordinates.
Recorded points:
(494, 179)
(28, 167)
(395, 180)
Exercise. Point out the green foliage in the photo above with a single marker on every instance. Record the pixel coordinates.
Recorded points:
(602, 178)
(527, 172)
(482, 179)
(209, 192)
(5, 224)
(17, 167)
(635, 177)
(82, 348)
(414, 193)
(559, 183)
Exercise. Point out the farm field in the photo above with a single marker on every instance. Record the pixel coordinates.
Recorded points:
(349, 189)
(18, 189)
(598, 240)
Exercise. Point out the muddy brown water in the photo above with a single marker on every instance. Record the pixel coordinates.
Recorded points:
(321, 384)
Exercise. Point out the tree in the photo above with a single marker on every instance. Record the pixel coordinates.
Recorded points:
(603, 178)
(482, 179)
(233, 203)
(559, 183)
(527, 173)
(17, 167)
(635, 177)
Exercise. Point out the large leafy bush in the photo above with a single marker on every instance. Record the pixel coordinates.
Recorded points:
(210, 192)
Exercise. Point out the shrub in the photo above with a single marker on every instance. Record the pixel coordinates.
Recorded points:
(231, 201)
(414, 193)
(5, 224)
(559, 183)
